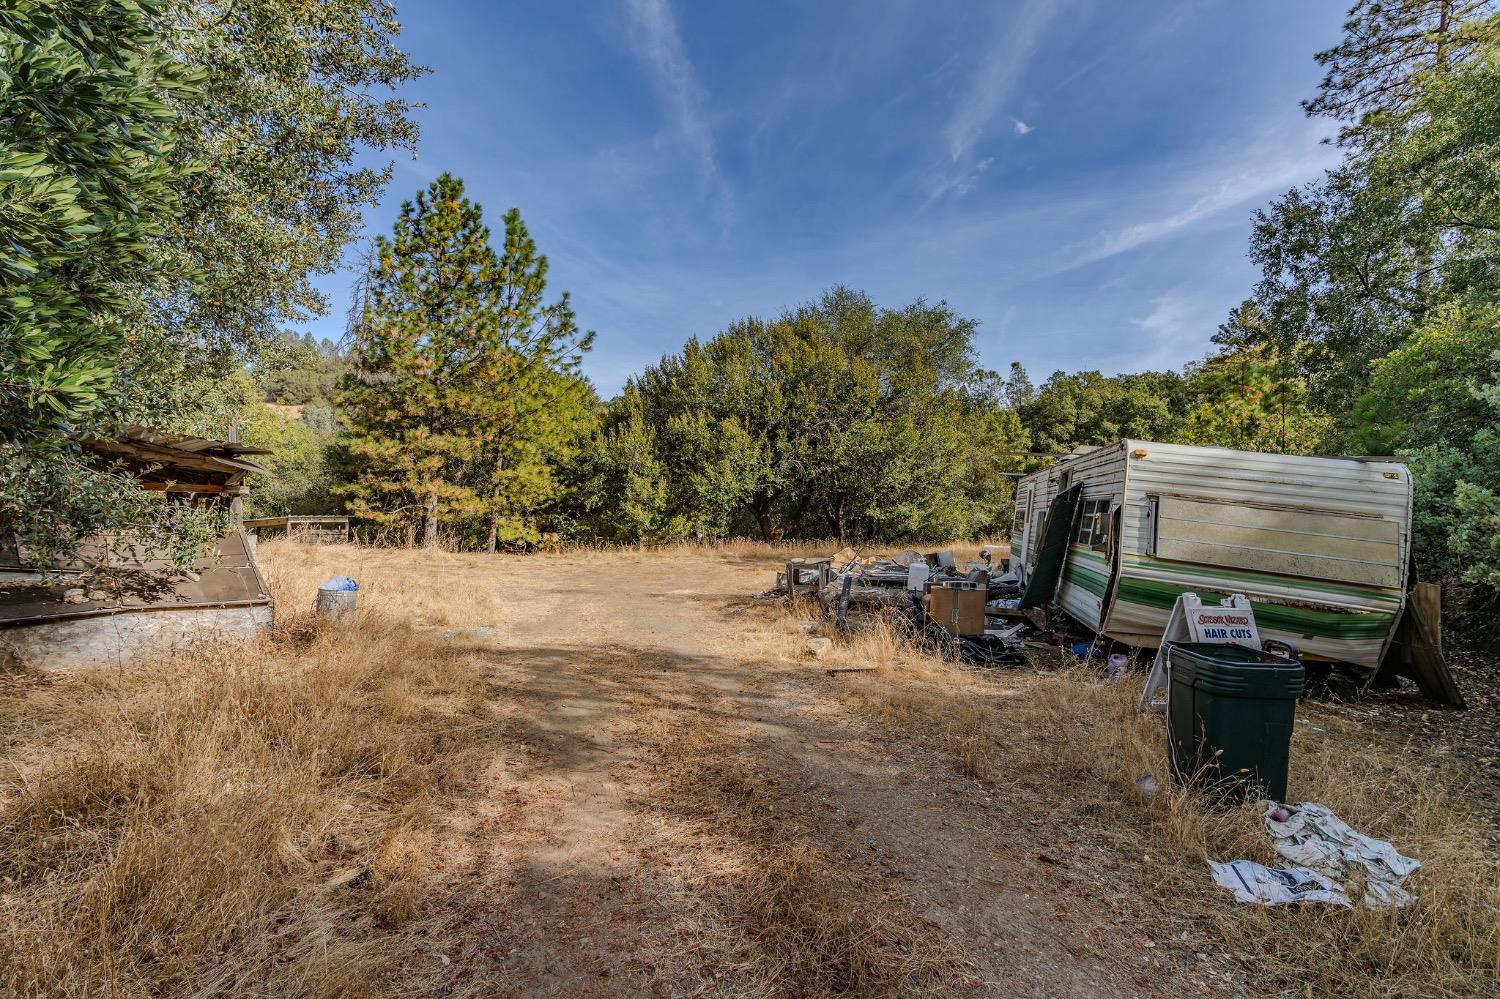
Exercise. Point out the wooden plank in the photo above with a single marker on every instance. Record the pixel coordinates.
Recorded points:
(1279, 563)
(182, 487)
(1426, 602)
(1416, 652)
(266, 522)
(1327, 523)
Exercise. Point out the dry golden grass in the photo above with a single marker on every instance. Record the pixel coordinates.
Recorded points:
(244, 820)
(772, 552)
(1057, 739)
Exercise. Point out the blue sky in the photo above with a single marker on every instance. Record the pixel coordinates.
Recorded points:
(1078, 175)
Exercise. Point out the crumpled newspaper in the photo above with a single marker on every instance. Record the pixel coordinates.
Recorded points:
(1252, 882)
(1320, 850)
(1311, 836)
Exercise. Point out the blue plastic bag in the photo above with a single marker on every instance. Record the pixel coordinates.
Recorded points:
(340, 583)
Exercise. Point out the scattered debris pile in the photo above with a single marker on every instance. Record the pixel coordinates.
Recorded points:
(967, 612)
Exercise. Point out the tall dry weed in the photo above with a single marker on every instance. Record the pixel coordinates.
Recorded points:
(237, 821)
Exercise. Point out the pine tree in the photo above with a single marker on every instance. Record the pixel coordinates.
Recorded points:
(535, 404)
(465, 391)
(425, 355)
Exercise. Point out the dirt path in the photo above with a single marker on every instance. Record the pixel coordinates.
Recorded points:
(677, 814)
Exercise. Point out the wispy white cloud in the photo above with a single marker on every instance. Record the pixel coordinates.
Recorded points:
(1200, 194)
(1021, 127)
(657, 41)
(994, 80)
(1173, 331)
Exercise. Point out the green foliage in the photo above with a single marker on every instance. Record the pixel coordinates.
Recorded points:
(1087, 408)
(95, 518)
(1379, 281)
(312, 85)
(1252, 399)
(87, 181)
(464, 392)
(1435, 398)
(149, 245)
(296, 371)
(618, 488)
(1407, 223)
(839, 418)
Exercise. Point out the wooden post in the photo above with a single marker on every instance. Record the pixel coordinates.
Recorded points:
(237, 499)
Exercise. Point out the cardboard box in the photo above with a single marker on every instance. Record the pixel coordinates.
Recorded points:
(958, 610)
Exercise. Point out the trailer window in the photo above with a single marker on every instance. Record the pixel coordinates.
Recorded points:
(1093, 525)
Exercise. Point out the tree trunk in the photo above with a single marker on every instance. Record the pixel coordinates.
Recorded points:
(495, 499)
(429, 522)
(411, 533)
(760, 506)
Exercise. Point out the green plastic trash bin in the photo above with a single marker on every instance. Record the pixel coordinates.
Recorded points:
(1229, 717)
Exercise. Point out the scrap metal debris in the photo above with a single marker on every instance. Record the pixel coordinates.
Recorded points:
(965, 612)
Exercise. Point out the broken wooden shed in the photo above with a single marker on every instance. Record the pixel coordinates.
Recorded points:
(51, 618)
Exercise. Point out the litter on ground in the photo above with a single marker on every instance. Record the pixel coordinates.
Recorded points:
(1310, 835)
(1252, 882)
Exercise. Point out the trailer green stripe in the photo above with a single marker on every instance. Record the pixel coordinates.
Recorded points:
(1094, 582)
(1148, 563)
(1088, 569)
(1276, 617)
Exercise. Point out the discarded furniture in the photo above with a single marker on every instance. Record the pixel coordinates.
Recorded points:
(806, 577)
(957, 607)
(303, 529)
(1320, 546)
(51, 620)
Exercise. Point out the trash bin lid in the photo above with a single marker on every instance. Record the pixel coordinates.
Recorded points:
(1225, 654)
(1235, 671)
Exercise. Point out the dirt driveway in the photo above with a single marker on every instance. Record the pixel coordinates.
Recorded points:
(681, 808)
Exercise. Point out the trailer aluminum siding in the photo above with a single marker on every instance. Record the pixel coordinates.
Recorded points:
(1320, 545)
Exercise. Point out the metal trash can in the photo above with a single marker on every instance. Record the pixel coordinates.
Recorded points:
(1230, 713)
(337, 598)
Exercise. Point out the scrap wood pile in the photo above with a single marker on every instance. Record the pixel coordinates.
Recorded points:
(967, 612)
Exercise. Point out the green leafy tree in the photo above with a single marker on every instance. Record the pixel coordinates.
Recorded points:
(1407, 222)
(423, 362)
(89, 172)
(619, 487)
(537, 407)
(838, 418)
(1252, 399)
(150, 243)
(1435, 399)
(87, 182)
(1391, 48)
(1089, 409)
(294, 98)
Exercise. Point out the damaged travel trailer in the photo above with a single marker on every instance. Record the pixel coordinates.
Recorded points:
(1321, 546)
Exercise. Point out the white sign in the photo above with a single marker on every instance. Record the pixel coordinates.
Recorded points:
(1224, 624)
(1231, 622)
